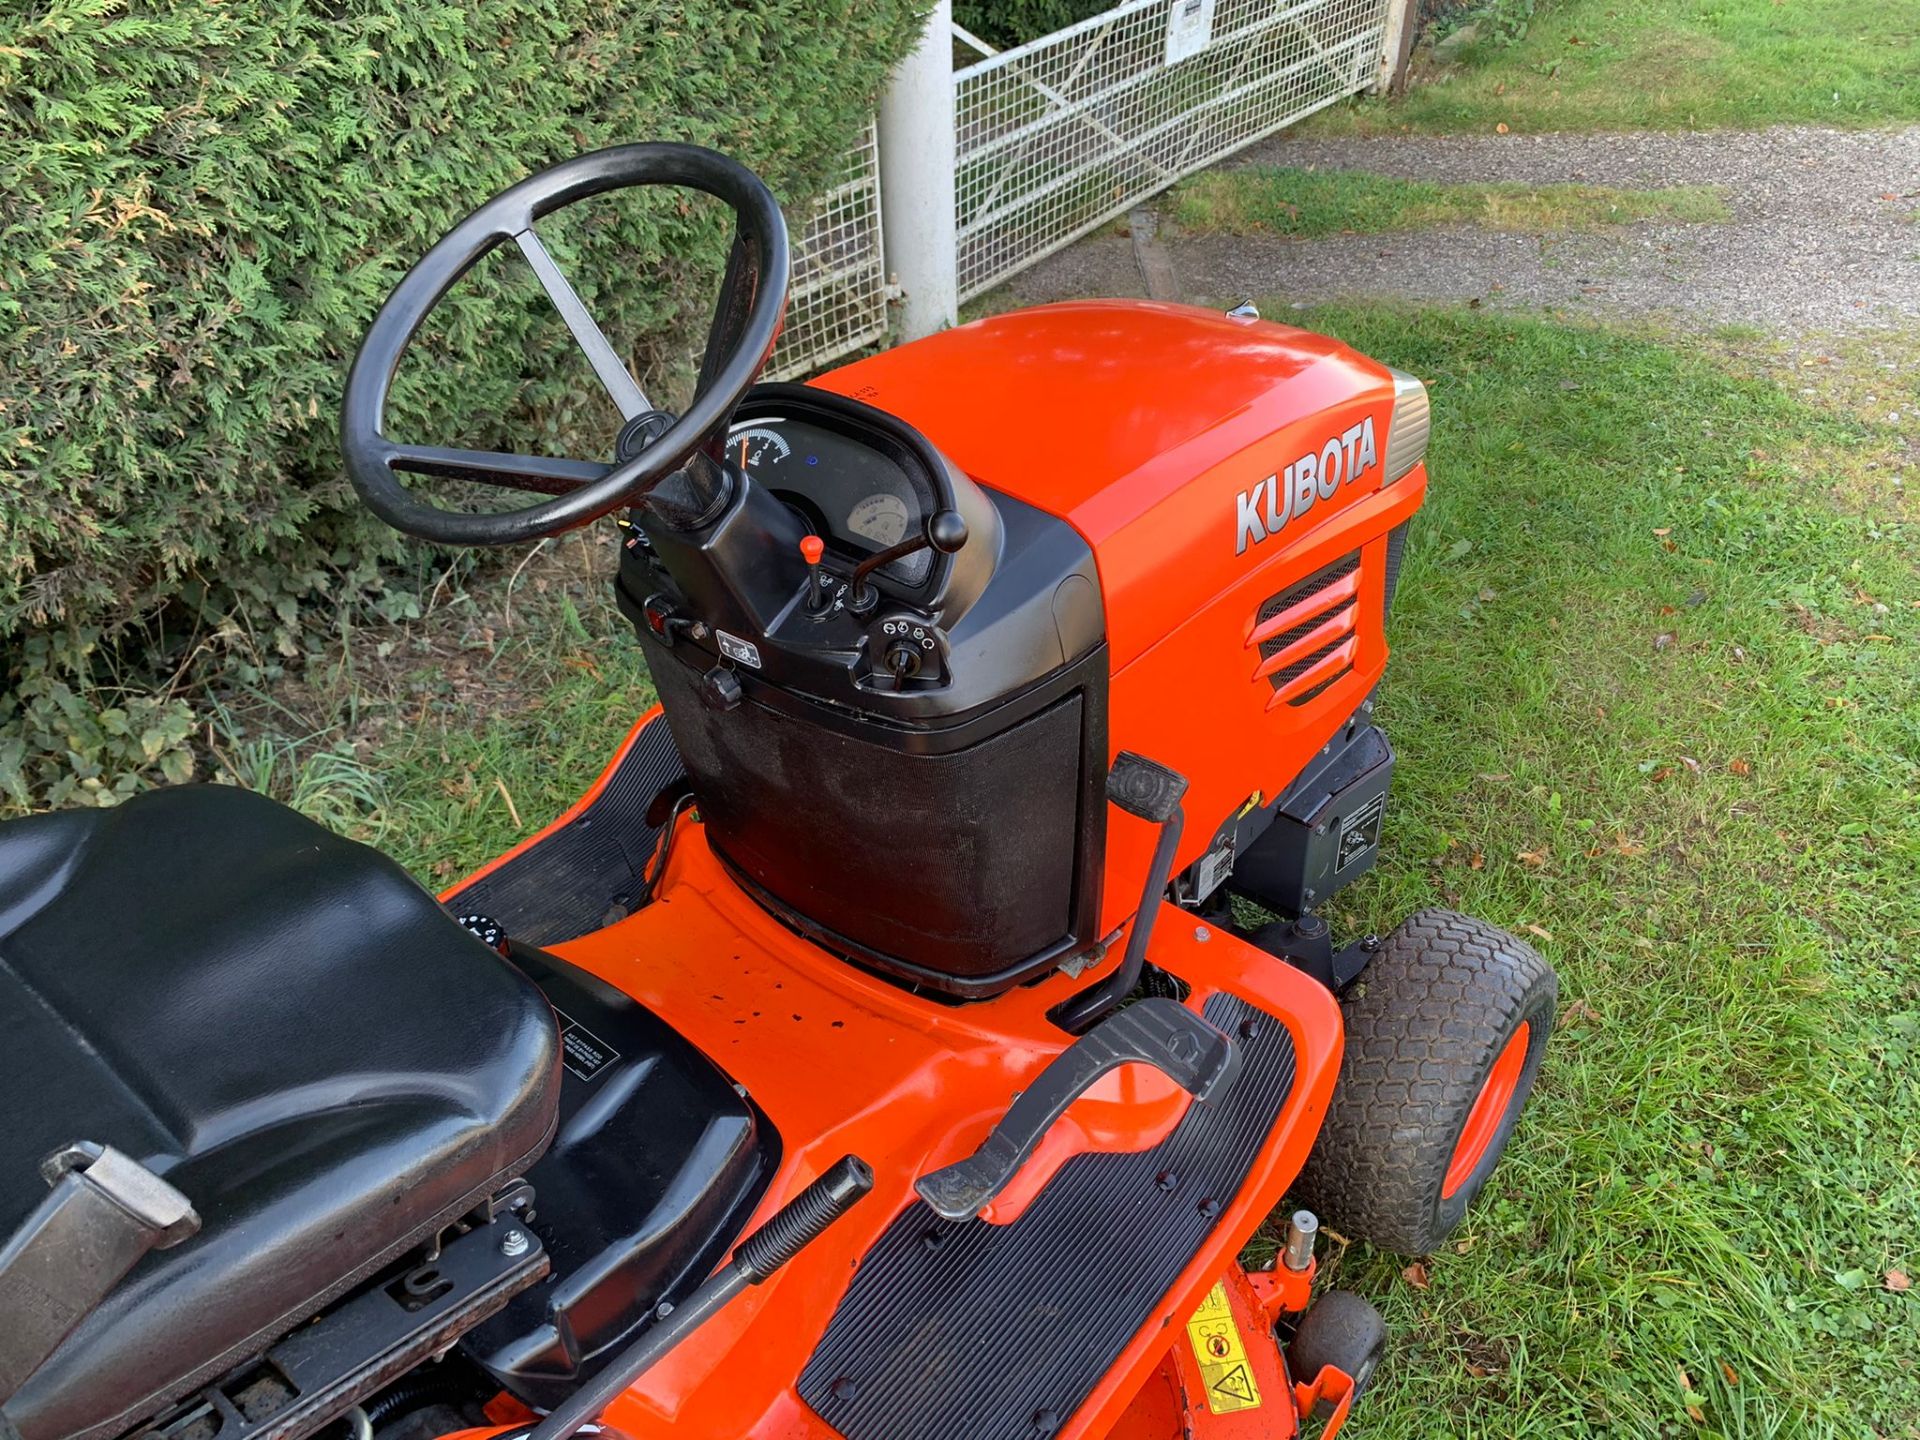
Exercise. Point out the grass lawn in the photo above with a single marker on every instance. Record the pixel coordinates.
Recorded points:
(1668, 64)
(1657, 649)
(1654, 695)
(1279, 200)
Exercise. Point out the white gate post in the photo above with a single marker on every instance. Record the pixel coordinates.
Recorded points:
(916, 180)
(1394, 47)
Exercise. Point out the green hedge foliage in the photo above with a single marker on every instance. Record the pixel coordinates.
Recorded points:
(202, 204)
(1006, 23)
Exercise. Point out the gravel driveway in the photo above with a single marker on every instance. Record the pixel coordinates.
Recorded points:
(1823, 237)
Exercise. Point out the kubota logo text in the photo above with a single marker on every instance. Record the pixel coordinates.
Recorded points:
(1266, 509)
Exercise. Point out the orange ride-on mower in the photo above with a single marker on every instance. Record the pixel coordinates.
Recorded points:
(874, 1051)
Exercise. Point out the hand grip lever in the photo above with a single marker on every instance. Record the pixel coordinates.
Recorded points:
(1161, 1033)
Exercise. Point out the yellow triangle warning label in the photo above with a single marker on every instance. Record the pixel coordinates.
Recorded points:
(1236, 1383)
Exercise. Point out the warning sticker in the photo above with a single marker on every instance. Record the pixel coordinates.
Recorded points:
(1214, 867)
(582, 1051)
(741, 652)
(1361, 832)
(1224, 1368)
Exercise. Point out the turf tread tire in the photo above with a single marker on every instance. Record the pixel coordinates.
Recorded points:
(1424, 1024)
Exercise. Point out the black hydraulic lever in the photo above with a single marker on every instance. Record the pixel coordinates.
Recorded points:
(800, 1222)
(1150, 790)
(1161, 1033)
(946, 532)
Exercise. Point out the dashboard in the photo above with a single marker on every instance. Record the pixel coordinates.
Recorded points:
(856, 497)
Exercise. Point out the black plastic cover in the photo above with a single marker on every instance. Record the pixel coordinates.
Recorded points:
(656, 1167)
(283, 1026)
(591, 872)
(963, 870)
(1324, 833)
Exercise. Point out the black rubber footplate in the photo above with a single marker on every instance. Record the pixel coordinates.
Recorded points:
(587, 874)
(1000, 1332)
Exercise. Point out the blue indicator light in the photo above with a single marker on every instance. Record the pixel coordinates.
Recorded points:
(813, 459)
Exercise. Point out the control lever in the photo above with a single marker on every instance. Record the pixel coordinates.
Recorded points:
(812, 548)
(1150, 791)
(946, 532)
(1158, 1032)
(798, 1223)
(104, 1212)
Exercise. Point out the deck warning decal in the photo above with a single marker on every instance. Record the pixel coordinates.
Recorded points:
(1224, 1368)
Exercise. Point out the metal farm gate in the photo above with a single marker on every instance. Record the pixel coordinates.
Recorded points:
(1065, 132)
(995, 164)
(837, 300)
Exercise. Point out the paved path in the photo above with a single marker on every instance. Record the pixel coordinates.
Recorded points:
(1814, 246)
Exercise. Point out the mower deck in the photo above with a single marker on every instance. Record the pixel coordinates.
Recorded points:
(1030, 1311)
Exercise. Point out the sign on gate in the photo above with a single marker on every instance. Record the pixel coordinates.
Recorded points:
(1189, 29)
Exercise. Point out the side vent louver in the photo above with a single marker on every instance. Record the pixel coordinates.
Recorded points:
(1306, 635)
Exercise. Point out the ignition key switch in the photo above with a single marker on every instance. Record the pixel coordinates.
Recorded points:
(903, 648)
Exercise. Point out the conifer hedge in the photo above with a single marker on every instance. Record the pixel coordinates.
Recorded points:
(202, 202)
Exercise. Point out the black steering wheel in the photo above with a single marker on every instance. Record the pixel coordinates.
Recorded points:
(653, 446)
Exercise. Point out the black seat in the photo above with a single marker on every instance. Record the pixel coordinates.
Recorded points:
(282, 1025)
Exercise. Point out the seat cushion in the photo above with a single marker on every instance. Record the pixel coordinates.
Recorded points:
(285, 1027)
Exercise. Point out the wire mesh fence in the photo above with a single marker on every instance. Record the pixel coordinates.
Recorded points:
(837, 299)
(1064, 133)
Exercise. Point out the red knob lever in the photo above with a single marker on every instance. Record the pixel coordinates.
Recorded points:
(812, 547)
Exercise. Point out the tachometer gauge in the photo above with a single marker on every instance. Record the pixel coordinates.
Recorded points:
(759, 450)
(881, 518)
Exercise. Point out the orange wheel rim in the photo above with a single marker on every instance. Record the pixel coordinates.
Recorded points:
(1483, 1121)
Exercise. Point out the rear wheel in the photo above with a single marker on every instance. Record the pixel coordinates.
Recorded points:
(1445, 1033)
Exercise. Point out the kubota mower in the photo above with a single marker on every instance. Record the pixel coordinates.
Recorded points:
(878, 1049)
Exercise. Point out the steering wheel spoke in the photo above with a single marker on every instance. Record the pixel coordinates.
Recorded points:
(618, 381)
(545, 474)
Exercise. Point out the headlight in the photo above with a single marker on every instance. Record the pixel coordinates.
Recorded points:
(1407, 432)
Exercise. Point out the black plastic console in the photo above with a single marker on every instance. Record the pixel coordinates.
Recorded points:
(941, 820)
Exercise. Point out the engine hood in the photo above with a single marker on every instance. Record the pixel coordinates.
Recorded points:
(1145, 425)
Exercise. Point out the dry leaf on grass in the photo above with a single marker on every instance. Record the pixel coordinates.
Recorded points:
(1694, 1412)
(1415, 1275)
(1580, 1013)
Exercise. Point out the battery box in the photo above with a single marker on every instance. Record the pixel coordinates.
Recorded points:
(1323, 834)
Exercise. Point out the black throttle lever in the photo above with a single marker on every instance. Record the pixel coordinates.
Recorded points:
(796, 1225)
(946, 532)
(1161, 1033)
